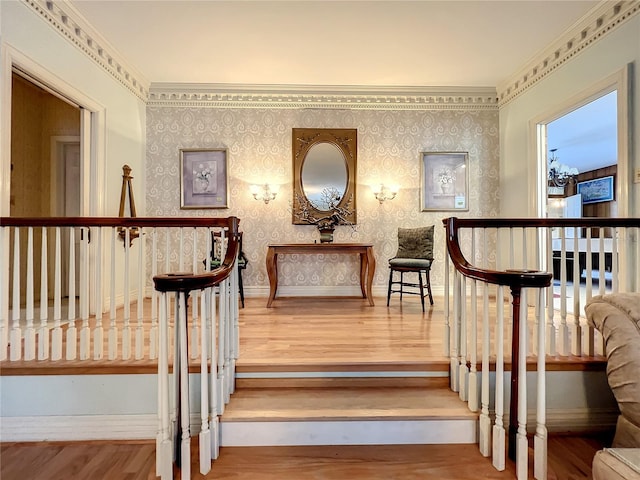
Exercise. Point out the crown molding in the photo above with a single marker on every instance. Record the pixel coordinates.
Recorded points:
(322, 97)
(600, 21)
(73, 26)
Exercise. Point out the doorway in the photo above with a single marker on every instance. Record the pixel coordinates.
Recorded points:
(46, 165)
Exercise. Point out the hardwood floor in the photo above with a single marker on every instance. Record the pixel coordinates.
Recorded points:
(299, 334)
(569, 459)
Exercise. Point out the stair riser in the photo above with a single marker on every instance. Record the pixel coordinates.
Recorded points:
(388, 432)
(343, 382)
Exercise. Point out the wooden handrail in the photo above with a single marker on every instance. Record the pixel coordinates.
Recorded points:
(511, 278)
(165, 282)
(185, 282)
(127, 222)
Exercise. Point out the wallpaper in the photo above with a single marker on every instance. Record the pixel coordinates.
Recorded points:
(258, 143)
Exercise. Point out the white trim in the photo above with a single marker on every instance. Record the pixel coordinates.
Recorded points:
(379, 291)
(78, 427)
(325, 97)
(144, 426)
(348, 432)
(595, 25)
(70, 23)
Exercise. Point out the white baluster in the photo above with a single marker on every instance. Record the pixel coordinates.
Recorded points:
(85, 332)
(576, 328)
(222, 342)
(601, 263)
(205, 432)
(15, 338)
(214, 384)
(30, 331)
(521, 435)
(139, 343)
(615, 279)
(485, 420)
(454, 368)
(113, 327)
(153, 333)
(447, 328)
(164, 445)
(56, 338)
(551, 327)
(473, 393)
(98, 332)
(564, 329)
(126, 327)
(72, 332)
(540, 438)
(194, 299)
(43, 331)
(181, 333)
(462, 361)
(4, 293)
(499, 443)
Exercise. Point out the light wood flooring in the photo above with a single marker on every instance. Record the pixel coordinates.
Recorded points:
(569, 459)
(306, 334)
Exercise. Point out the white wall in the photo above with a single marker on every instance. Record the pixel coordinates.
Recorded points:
(579, 74)
(31, 36)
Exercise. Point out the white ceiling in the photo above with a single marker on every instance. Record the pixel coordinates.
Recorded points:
(478, 43)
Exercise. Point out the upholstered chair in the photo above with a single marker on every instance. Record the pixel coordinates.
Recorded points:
(414, 256)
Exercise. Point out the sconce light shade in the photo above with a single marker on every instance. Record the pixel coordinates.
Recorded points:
(383, 192)
(265, 192)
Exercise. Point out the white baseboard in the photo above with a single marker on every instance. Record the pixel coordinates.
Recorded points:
(145, 426)
(324, 291)
(78, 427)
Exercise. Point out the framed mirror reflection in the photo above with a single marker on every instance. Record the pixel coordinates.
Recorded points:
(324, 176)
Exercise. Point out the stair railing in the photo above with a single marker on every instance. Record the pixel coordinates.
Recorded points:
(217, 374)
(79, 289)
(521, 254)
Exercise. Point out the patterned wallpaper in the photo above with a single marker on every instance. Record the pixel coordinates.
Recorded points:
(258, 143)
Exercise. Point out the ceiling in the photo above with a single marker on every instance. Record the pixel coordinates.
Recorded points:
(476, 43)
(479, 43)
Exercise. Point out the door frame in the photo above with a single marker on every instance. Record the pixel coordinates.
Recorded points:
(620, 82)
(92, 141)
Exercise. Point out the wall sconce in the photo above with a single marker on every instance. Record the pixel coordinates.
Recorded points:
(383, 193)
(265, 192)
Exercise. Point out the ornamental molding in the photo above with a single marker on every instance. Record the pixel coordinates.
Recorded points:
(70, 23)
(321, 97)
(601, 21)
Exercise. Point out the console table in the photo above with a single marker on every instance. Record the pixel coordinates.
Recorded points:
(367, 262)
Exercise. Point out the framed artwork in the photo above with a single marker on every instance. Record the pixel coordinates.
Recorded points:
(596, 190)
(203, 178)
(444, 181)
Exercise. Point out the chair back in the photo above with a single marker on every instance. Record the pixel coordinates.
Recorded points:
(415, 243)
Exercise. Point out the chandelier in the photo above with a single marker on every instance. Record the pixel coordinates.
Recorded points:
(560, 174)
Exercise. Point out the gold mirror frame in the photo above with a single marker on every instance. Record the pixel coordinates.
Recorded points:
(346, 141)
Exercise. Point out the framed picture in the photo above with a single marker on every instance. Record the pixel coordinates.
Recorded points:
(596, 190)
(444, 181)
(203, 178)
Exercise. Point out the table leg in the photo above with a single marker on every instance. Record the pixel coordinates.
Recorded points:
(272, 272)
(363, 274)
(371, 270)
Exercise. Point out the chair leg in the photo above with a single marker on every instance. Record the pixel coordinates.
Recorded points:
(421, 289)
(429, 286)
(241, 287)
(401, 284)
(389, 290)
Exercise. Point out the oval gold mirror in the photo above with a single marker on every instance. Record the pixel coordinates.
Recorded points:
(324, 175)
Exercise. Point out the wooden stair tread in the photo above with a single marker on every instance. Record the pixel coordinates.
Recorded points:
(356, 403)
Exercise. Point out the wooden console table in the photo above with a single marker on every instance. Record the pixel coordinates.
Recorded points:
(367, 262)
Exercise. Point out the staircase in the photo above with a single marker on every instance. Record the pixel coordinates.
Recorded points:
(345, 404)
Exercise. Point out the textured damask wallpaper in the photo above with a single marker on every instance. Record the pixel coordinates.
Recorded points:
(258, 143)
